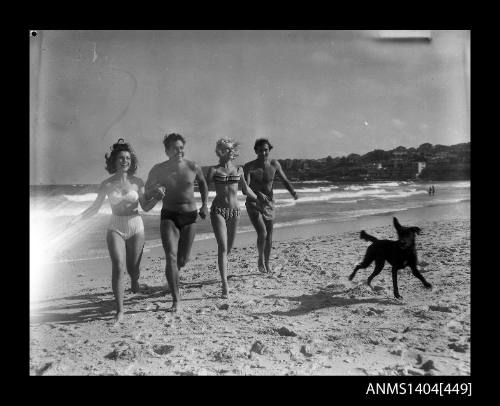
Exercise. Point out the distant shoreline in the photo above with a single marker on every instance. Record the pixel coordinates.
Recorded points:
(291, 180)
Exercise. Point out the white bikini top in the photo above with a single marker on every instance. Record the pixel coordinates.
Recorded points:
(117, 196)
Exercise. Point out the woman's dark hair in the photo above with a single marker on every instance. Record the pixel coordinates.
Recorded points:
(116, 148)
(171, 138)
(262, 141)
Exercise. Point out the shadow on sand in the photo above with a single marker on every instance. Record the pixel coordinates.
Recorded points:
(325, 298)
(101, 306)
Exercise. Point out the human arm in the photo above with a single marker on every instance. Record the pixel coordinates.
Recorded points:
(210, 176)
(146, 204)
(285, 180)
(202, 185)
(244, 186)
(153, 188)
(94, 207)
(246, 173)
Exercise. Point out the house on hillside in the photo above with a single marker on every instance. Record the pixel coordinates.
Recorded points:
(420, 168)
(376, 171)
(399, 156)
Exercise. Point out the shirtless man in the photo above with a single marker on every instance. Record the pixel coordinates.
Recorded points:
(259, 175)
(173, 182)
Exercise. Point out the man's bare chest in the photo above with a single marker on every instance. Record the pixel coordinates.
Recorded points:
(175, 178)
(262, 174)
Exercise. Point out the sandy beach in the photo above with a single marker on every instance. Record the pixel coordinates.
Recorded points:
(305, 318)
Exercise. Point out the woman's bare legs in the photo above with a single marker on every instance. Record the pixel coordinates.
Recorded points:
(231, 227)
(134, 246)
(117, 252)
(220, 231)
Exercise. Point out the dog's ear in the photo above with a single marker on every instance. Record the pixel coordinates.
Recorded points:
(417, 230)
(396, 224)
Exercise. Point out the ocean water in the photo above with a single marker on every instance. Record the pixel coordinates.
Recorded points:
(52, 207)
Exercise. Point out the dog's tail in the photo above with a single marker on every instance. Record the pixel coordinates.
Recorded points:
(365, 236)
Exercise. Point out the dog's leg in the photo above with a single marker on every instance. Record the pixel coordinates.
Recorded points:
(353, 274)
(395, 283)
(379, 265)
(418, 275)
(368, 259)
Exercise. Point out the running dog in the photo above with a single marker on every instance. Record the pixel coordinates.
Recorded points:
(399, 254)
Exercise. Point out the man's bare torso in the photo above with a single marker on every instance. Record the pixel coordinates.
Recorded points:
(178, 179)
(261, 176)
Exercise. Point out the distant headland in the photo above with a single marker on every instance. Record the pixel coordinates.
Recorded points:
(427, 162)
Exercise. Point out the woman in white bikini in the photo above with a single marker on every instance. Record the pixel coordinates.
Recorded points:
(225, 209)
(125, 231)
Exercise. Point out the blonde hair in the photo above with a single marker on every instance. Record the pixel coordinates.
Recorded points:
(229, 143)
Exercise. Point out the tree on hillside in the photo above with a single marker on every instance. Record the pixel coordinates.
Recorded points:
(423, 148)
(353, 158)
(377, 155)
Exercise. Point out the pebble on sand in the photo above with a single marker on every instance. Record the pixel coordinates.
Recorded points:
(44, 368)
(283, 331)
(428, 365)
(122, 351)
(458, 347)
(438, 308)
(258, 347)
(306, 350)
(398, 350)
(163, 349)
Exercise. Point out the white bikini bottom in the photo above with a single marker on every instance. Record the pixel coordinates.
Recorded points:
(126, 226)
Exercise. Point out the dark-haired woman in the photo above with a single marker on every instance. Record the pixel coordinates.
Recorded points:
(125, 231)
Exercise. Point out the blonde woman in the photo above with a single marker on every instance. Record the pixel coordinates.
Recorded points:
(225, 210)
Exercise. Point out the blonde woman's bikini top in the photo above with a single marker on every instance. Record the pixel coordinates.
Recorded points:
(222, 178)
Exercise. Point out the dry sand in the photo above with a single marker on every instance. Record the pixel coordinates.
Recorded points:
(304, 319)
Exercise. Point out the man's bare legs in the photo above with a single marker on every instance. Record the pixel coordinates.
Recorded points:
(116, 247)
(134, 247)
(260, 228)
(186, 238)
(177, 245)
(268, 243)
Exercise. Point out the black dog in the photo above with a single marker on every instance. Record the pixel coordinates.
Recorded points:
(399, 254)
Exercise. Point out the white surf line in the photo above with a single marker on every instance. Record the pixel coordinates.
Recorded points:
(65, 261)
(348, 217)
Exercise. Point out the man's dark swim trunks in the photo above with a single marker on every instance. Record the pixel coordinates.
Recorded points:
(180, 219)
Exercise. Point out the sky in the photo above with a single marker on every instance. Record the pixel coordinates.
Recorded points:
(311, 93)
